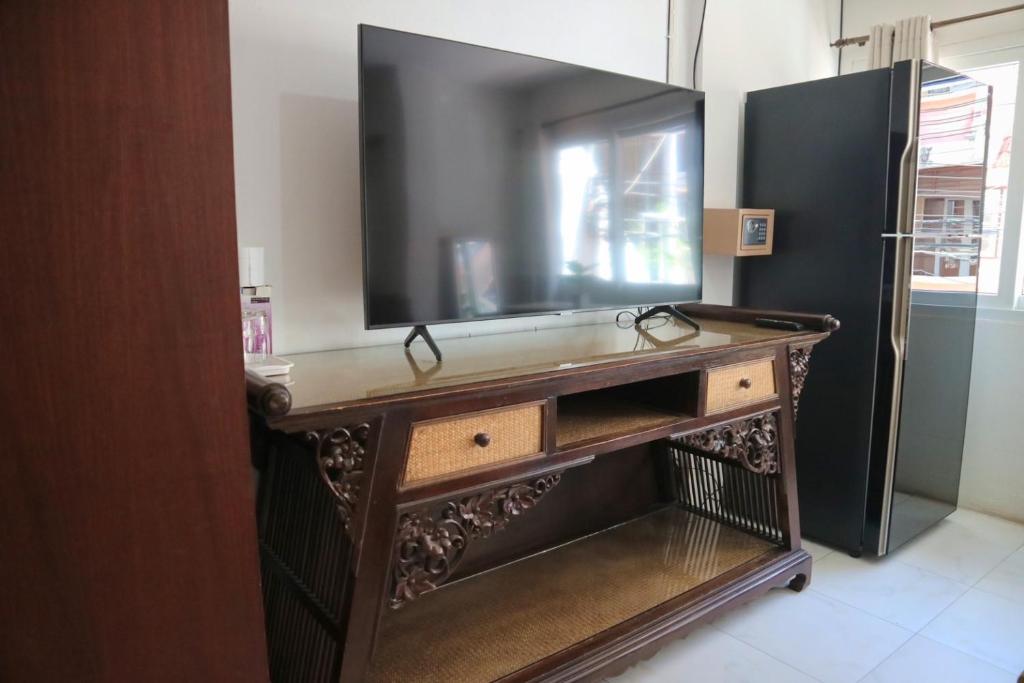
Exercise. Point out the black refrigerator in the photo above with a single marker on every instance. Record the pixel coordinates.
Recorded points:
(878, 181)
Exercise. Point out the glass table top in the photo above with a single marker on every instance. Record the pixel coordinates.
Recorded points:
(330, 379)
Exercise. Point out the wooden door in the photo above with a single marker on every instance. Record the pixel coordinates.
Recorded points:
(127, 540)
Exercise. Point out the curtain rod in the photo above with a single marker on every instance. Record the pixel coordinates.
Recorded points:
(861, 40)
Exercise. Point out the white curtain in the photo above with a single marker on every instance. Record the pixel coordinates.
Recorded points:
(881, 46)
(909, 39)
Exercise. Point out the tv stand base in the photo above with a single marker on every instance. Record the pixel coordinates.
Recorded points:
(670, 310)
(421, 331)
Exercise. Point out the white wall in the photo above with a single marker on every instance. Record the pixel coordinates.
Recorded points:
(752, 46)
(992, 477)
(296, 128)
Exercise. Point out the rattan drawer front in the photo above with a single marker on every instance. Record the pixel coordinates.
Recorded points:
(440, 448)
(735, 385)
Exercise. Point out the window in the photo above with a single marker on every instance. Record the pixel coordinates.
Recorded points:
(1000, 266)
(1003, 79)
(952, 153)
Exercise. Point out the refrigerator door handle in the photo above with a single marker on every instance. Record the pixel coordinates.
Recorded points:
(908, 186)
(901, 291)
(898, 340)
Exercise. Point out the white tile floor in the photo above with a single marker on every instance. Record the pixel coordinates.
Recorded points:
(949, 607)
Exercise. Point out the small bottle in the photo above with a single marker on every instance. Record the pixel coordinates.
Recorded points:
(255, 340)
(257, 335)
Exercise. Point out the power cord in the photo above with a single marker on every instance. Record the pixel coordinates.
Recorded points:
(696, 51)
(626, 319)
(839, 66)
(668, 44)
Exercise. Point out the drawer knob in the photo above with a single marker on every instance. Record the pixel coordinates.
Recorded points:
(483, 439)
(746, 383)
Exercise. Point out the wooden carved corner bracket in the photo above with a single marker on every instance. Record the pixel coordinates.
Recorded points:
(340, 454)
(753, 442)
(428, 549)
(799, 364)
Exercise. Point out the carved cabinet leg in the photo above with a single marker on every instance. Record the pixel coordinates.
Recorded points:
(799, 364)
(340, 455)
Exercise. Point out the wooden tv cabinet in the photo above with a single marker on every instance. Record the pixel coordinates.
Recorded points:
(549, 505)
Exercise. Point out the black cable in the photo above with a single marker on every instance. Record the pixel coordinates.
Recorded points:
(839, 66)
(630, 317)
(619, 321)
(626, 319)
(696, 51)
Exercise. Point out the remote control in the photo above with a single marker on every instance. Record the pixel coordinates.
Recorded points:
(778, 324)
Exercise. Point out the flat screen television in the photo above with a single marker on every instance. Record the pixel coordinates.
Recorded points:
(497, 184)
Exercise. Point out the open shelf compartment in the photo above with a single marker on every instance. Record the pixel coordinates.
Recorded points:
(606, 413)
(494, 623)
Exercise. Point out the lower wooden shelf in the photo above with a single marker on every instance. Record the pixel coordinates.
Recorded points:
(493, 624)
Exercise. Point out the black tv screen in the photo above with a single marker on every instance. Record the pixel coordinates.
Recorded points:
(497, 184)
